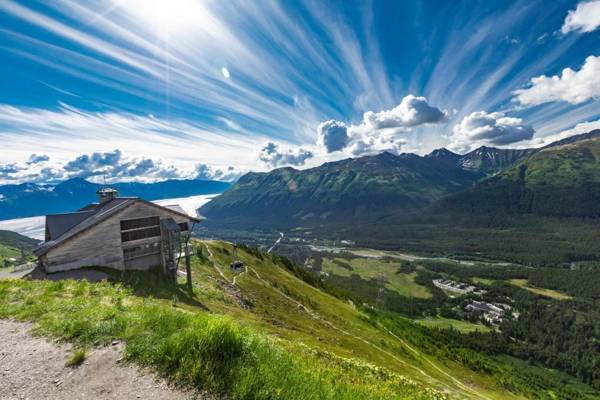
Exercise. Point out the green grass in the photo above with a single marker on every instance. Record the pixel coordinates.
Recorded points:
(372, 268)
(77, 358)
(482, 281)
(446, 323)
(11, 244)
(7, 252)
(555, 294)
(212, 352)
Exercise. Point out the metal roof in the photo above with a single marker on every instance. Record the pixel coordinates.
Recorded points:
(175, 207)
(57, 225)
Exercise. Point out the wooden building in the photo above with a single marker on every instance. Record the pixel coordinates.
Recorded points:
(124, 233)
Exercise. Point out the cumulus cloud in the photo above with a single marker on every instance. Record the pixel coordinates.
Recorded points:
(35, 158)
(112, 166)
(493, 129)
(368, 145)
(411, 111)
(379, 131)
(8, 171)
(574, 87)
(584, 18)
(271, 155)
(332, 135)
(116, 167)
(207, 172)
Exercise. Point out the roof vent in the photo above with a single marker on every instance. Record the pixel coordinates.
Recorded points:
(107, 194)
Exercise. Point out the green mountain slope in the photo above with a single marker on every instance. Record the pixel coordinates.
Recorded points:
(562, 180)
(354, 190)
(13, 245)
(338, 192)
(268, 331)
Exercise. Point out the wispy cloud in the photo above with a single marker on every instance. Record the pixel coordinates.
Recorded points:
(248, 73)
(66, 131)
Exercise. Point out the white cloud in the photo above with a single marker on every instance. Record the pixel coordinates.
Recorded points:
(368, 145)
(332, 135)
(585, 18)
(379, 131)
(574, 87)
(225, 72)
(207, 172)
(493, 129)
(7, 171)
(271, 155)
(411, 111)
(112, 166)
(38, 158)
(115, 167)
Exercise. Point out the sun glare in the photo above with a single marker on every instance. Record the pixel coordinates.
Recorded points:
(166, 16)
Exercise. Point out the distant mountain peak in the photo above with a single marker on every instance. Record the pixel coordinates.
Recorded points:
(443, 153)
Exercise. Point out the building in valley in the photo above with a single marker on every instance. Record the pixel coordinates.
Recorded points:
(123, 233)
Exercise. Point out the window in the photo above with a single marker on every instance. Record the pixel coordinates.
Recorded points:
(138, 234)
(139, 223)
(183, 226)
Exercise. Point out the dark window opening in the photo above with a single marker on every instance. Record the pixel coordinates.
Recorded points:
(183, 226)
(140, 234)
(139, 223)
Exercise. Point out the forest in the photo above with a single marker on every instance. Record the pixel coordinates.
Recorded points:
(557, 334)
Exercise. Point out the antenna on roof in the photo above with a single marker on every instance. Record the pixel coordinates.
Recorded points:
(106, 193)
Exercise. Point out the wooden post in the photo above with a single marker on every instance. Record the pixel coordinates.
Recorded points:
(188, 266)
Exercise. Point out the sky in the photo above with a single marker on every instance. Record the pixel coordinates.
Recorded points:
(149, 90)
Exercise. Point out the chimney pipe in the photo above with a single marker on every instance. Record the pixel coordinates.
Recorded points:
(107, 194)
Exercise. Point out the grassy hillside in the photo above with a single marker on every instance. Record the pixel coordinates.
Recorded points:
(12, 245)
(385, 270)
(262, 333)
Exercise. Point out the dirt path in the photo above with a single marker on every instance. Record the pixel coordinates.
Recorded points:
(34, 368)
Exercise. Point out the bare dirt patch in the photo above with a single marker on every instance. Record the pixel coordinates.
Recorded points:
(35, 368)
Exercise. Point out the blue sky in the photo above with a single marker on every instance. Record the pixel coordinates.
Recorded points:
(155, 89)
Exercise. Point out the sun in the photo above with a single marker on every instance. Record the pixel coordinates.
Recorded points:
(166, 16)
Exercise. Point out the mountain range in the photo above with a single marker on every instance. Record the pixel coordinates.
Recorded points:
(356, 188)
(30, 199)
(562, 180)
(373, 187)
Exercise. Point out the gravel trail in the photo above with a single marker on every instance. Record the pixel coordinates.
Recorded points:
(34, 368)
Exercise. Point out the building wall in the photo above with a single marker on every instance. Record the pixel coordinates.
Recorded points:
(101, 245)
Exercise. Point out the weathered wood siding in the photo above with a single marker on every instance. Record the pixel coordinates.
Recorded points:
(101, 244)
